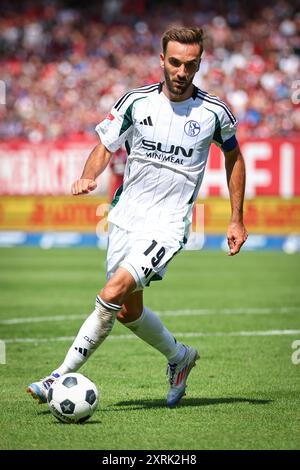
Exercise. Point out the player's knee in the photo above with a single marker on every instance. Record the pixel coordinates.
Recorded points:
(119, 286)
(114, 293)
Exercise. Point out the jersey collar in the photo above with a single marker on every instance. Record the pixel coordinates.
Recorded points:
(194, 95)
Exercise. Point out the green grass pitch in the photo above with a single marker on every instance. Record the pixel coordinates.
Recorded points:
(242, 313)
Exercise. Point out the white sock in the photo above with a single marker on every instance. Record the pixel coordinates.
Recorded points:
(150, 329)
(91, 334)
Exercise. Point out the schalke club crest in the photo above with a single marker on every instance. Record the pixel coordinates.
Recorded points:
(192, 128)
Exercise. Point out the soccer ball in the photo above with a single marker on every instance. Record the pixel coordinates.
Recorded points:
(73, 398)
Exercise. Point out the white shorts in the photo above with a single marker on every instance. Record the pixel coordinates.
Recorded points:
(144, 255)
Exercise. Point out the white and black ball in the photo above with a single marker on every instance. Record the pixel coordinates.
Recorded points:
(73, 398)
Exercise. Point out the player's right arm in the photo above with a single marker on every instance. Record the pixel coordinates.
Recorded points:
(94, 166)
(113, 132)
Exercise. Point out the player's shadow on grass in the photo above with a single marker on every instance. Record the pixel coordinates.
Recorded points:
(159, 403)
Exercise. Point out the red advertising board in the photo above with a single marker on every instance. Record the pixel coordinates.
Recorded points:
(273, 168)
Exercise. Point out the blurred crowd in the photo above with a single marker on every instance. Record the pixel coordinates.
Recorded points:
(64, 63)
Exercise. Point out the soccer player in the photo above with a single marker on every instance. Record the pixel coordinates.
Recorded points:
(167, 129)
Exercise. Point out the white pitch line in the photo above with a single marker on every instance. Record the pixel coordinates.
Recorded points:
(230, 311)
(166, 313)
(16, 321)
(178, 334)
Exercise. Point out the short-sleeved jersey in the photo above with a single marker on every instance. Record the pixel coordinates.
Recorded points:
(168, 144)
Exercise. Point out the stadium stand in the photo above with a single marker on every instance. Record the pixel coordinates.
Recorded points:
(65, 63)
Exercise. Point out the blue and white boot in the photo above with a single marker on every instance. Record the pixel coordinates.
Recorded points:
(39, 390)
(178, 375)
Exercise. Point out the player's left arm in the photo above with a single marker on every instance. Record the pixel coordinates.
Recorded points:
(236, 180)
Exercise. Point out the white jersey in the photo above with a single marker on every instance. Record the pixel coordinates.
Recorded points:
(168, 144)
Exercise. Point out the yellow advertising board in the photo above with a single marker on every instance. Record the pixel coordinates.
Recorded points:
(265, 215)
(51, 213)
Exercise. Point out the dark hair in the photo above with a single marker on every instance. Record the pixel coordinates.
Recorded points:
(184, 36)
